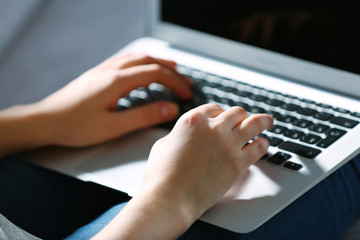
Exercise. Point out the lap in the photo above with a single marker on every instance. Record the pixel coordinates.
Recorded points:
(51, 205)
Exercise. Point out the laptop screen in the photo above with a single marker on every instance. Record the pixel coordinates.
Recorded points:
(319, 31)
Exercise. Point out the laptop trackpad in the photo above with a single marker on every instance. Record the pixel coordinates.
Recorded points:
(122, 163)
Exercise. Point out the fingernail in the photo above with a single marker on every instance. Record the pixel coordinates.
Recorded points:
(271, 124)
(168, 110)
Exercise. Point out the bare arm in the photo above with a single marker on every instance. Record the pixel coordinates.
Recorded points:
(204, 153)
(83, 112)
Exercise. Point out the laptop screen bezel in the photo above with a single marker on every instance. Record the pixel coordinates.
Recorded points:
(248, 56)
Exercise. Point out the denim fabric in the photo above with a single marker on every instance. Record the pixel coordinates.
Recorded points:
(90, 230)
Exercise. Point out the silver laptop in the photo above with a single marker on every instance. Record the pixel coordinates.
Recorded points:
(295, 62)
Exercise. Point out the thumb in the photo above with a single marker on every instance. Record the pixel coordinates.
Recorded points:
(146, 116)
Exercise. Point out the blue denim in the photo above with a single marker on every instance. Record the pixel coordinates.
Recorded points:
(324, 212)
(90, 230)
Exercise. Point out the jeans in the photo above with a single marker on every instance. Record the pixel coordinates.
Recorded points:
(324, 212)
(89, 230)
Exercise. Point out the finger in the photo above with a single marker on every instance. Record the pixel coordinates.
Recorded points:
(254, 151)
(210, 110)
(144, 116)
(142, 59)
(233, 117)
(128, 60)
(144, 75)
(136, 59)
(253, 126)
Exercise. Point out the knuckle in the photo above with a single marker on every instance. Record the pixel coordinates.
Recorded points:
(143, 56)
(191, 118)
(210, 106)
(217, 127)
(259, 121)
(156, 68)
(213, 105)
(238, 110)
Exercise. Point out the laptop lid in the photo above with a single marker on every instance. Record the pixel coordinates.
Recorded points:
(303, 42)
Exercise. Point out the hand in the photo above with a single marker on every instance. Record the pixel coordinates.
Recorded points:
(204, 155)
(189, 170)
(83, 112)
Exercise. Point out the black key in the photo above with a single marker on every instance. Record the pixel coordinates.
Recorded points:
(344, 122)
(310, 138)
(286, 118)
(186, 106)
(327, 142)
(215, 98)
(266, 156)
(355, 114)
(275, 114)
(214, 85)
(229, 102)
(259, 98)
(302, 123)
(294, 134)
(225, 100)
(244, 94)
(323, 105)
(243, 105)
(275, 102)
(307, 111)
(278, 129)
(279, 158)
(342, 110)
(293, 166)
(274, 141)
(301, 150)
(308, 101)
(254, 109)
(335, 132)
(230, 89)
(155, 95)
(320, 128)
(290, 107)
(332, 136)
(196, 100)
(323, 116)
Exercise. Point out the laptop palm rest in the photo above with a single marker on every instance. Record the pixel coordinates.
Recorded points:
(122, 163)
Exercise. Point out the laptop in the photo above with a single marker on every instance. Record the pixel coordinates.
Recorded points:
(295, 61)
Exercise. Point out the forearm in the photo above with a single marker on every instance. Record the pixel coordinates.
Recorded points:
(149, 216)
(23, 127)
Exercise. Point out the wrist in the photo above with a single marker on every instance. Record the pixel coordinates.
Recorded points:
(149, 215)
(172, 210)
(24, 127)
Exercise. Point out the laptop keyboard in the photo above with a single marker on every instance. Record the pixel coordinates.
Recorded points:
(303, 127)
